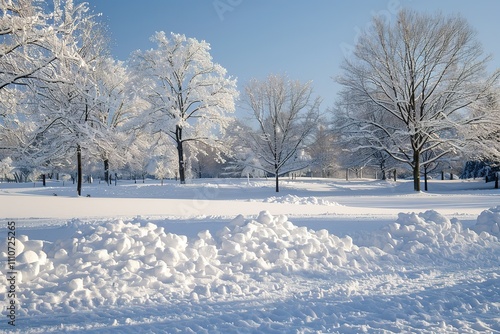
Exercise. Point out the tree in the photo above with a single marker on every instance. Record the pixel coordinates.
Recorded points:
(35, 44)
(13, 125)
(484, 137)
(29, 46)
(116, 104)
(68, 113)
(423, 72)
(323, 150)
(191, 97)
(361, 140)
(285, 114)
(6, 167)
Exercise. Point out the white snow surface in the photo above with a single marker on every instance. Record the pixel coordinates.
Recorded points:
(325, 256)
(294, 199)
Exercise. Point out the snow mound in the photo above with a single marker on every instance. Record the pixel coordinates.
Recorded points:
(489, 221)
(293, 199)
(432, 236)
(119, 263)
(272, 243)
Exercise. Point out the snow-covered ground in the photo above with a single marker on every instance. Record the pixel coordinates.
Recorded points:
(232, 256)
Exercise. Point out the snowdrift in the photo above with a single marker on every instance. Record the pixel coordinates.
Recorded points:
(119, 263)
(293, 199)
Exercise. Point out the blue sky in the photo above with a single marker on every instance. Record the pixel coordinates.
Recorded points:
(307, 40)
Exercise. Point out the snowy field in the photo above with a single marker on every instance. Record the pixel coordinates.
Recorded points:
(232, 256)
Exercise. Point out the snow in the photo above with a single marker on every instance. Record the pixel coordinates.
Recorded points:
(323, 256)
(294, 199)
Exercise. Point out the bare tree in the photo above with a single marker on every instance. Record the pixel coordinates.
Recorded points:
(360, 138)
(285, 113)
(484, 137)
(423, 72)
(323, 150)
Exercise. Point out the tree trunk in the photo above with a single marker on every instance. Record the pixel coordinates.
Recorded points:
(182, 172)
(277, 183)
(180, 154)
(425, 179)
(79, 169)
(416, 170)
(106, 170)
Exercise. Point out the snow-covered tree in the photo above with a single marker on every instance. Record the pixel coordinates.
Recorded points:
(28, 48)
(422, 72)
(13, 125)
(191, 97)
(68, 114)
(116, 105)
(483, 138)
(138, 154)
(160, 167)
(26, 40)
(323, 150)
(285, 114)
(359, 139)
(241, 161)
(6, 167)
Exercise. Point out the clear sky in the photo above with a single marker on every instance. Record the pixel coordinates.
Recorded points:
(307, 40)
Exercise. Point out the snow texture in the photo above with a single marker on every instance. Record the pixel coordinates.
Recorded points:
(293, 199)
(138, 264)
(423, 271)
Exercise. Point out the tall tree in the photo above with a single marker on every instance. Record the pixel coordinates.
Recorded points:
(423, 72)
(29, 47)
(68, 106)
(191, 97)
(74, 96)
(285, 113)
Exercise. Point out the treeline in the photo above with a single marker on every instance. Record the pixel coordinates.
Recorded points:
(416, 96)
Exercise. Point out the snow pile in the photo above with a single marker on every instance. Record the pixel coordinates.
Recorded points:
(432, 236)
(128, 263)
(118, 263)
(30, 257)
(489, 221)
(293, 199)
(275, 244)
